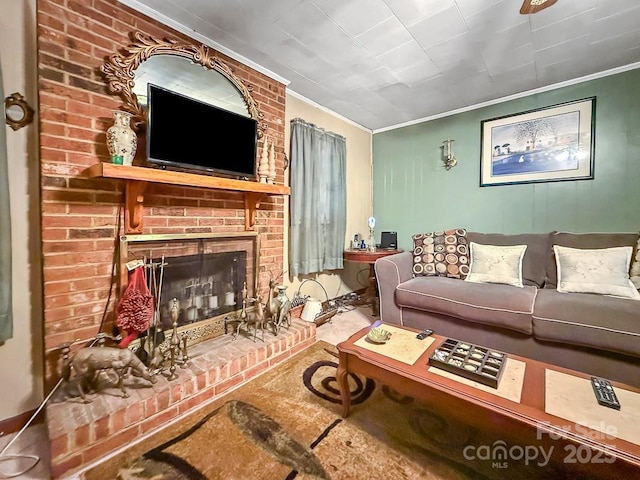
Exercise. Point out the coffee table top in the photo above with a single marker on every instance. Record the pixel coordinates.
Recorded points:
(530, 408)
(403, 345)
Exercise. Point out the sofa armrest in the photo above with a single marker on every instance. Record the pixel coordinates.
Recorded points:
(391, 271)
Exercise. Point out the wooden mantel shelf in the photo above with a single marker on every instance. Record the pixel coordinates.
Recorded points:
(138, 177)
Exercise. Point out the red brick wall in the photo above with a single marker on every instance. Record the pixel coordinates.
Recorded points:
(79, 215)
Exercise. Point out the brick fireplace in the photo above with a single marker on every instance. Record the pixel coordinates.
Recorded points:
(81, 215)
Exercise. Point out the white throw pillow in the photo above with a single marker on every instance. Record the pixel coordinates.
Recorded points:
(635, 268)
(496, 264)
(604, 271)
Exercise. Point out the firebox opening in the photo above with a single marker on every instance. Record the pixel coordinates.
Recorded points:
(206, 273)
(205, 285)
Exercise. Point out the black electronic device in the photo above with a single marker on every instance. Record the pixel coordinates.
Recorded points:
(389, 240)
(187, 134)
(424, 334)
(604, 393)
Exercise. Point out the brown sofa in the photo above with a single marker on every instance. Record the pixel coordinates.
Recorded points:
(592, 333)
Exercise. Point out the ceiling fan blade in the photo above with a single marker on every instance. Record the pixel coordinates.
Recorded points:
(534, 6)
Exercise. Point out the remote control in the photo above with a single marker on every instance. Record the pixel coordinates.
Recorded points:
(424, 334)
(604, 393)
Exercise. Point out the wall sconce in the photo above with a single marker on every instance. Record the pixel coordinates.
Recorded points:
(449, 159)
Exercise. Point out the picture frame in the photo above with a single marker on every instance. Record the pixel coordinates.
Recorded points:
(549, 144)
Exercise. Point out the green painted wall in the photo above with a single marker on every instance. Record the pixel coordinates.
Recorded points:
(414, 193)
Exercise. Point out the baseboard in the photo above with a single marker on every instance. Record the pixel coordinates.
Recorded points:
(13, 424)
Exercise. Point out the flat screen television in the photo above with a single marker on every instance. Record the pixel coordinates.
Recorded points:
(186, 134)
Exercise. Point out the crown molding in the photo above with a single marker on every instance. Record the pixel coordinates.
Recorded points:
(567, 83)
(327, 110)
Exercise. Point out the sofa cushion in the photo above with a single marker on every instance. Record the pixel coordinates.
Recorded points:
(487, 303)
(535, 258)
(442, 254)
(583, 240)
(591, 320)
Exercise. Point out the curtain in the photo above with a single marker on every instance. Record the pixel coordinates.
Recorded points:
(6, 320)
(318, 199)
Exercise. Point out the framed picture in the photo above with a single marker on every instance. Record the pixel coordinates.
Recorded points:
(550, 144)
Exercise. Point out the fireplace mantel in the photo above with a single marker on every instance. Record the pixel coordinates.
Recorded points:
(138, 177)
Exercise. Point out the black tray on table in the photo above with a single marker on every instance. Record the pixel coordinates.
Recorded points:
(475, 362)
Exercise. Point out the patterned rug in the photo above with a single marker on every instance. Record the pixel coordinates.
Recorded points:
(286, 425)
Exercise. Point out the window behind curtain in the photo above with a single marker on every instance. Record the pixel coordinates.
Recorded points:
(318, 199)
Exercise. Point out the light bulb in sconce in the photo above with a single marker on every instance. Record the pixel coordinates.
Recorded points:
(449, 159)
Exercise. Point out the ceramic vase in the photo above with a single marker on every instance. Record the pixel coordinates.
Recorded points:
(121, 139)
(282, 294)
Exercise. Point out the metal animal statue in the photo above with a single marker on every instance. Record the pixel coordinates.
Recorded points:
(89, 362)
(272, 305)
(284, 315)
(277, 313)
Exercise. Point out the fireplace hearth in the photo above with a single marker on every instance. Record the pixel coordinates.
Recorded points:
(83, 433)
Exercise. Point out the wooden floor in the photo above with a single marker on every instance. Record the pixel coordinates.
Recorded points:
(32, 442)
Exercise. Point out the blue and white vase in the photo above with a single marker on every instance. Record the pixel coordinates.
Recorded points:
(121, 139)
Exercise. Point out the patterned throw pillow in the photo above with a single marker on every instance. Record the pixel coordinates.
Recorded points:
(443, 254)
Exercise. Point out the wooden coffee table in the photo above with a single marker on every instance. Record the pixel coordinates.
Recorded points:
(525, 422)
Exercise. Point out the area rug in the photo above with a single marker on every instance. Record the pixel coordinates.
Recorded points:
(286, 425)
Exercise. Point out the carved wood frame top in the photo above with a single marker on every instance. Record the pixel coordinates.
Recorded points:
(120, 68)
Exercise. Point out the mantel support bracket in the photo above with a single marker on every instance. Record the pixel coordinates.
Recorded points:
(134, 205)
(251, 203)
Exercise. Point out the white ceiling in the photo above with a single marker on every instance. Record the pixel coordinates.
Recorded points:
(385, 62)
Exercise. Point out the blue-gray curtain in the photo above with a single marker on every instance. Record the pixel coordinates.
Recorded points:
(6, 320)
(318, 199)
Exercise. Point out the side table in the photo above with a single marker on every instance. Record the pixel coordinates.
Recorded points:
(365, 256)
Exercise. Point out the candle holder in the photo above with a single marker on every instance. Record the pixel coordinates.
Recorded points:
(174, 342)
(263, 165)
(271, 176)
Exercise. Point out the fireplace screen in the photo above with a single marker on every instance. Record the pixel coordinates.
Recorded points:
(206, 273)
(205, 285)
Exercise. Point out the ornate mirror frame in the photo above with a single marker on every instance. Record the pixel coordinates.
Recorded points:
(120, 70)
